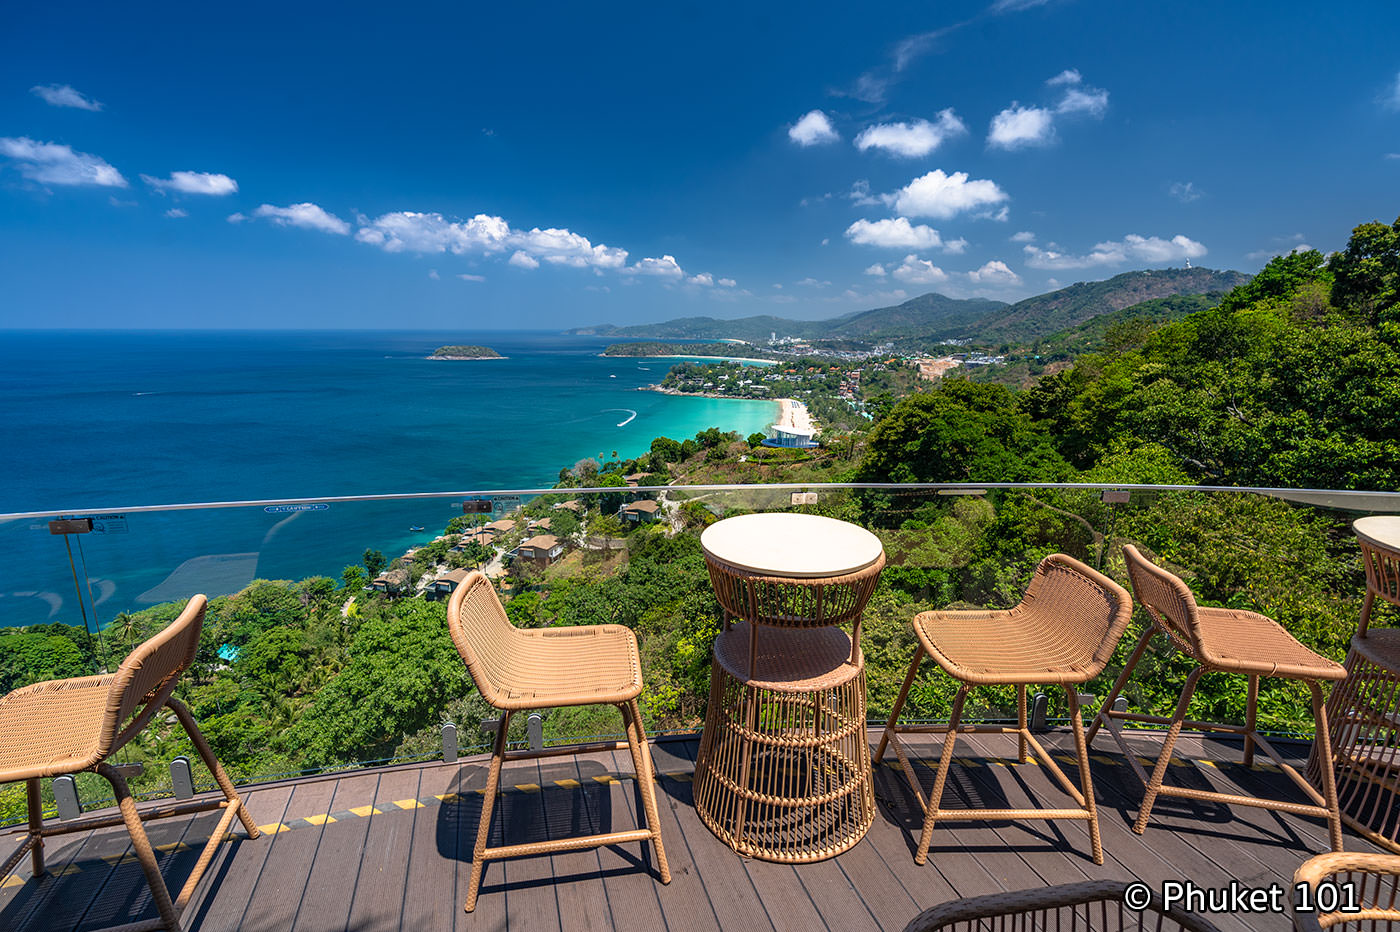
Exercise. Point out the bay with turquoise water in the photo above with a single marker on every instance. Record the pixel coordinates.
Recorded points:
(100, 422)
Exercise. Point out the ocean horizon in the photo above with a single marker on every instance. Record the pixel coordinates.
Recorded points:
(101, 421)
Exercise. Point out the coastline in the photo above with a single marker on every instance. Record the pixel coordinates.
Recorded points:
(750, 359)
(783, 403)
(467, 358)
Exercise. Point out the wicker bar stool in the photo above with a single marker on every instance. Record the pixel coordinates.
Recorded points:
(1364, 709)
(783, 770)
(69, 726)
(540, 668)
(1221, 640)
(1094, 904)
(1347, 890)
(1063, 631)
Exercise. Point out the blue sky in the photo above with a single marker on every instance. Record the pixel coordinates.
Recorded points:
(356, 166)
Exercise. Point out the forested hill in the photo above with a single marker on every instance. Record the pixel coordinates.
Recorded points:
(935, 317)
(1069, 307)
(927, 314)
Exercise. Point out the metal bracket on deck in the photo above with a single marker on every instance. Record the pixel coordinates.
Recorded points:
(1040, 705)
(65, 794)
(1120, 704)
(449, 742)
(181, 780)
(534, 729)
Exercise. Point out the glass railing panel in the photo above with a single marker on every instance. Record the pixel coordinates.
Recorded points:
(317, 655)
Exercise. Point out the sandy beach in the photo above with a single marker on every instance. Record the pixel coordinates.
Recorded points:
(793, 414)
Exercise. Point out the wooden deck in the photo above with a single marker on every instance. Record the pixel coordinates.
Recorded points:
(391, 850)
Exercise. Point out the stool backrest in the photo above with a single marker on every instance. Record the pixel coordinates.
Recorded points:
(1090, 611)
(483, 635)
(1370, 882)
(148, 676)
(1168, 601)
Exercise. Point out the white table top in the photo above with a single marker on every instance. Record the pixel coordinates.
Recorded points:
(1380, 530)
(806, 546)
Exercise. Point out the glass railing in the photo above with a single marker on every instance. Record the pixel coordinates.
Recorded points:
(325, 646)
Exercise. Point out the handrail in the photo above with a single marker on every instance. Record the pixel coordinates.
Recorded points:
(1331, 498)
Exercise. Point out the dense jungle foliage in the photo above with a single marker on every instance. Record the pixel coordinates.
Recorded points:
(1292, 380)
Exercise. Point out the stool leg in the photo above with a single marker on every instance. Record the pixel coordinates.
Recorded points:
(1021, 748)
(488, 803)
(945, 762)
(36, 822)
(1251, 704)
(1119, 683)
(1329, 775)
(145, 854)
(646, 781)
(1086, 780)
(1154, 785)
(216, 769)
(899, 703)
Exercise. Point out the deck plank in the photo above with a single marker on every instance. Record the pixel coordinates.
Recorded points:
(531, 898)
(785, 899)
(628, 871)
(232, 879)
(573, 807)
(723, 881)
(490, 912)
(291, 856)
(23, 903)
(325, 904)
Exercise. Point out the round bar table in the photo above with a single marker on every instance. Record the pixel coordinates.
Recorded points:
(1364, 709)
(783, 771)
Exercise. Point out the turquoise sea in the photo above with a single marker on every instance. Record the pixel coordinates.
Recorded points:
(99, 422)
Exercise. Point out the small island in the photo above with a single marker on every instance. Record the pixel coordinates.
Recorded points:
(465, 352)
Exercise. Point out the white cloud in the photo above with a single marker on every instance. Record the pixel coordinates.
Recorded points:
(1280, 247)
(727, 283)
(1392, 155)
(896, 233)
(52, 163)
(1184, 191)
(877, 270)
(523, 260)
(176, 213)
(1025, 236)
(194, 183)
(1392, 97)
(433, 274)
(813, 283)
(995, 272)
(704, 279)
(1150, 249)
(813, 129)
(1017, 127)
(941, 195)
(860, 194)
(1092, 101)
(918, 271)
(782, 299)
(874, 297)
(62, 95)
(826, 240)
(664, 267)
(955, 247)
(911, 140)
(306, 215)
(407, 230)
(237, 218)
(466, 277)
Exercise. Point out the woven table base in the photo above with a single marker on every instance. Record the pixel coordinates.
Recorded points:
(783, 774)
(1364, 723)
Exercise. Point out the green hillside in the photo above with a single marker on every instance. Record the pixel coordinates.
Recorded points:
(1046, 314)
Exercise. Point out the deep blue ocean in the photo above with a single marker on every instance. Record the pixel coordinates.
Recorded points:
(99, 422)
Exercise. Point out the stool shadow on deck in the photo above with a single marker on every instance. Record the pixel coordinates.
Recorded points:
(566, 799)
(97, 882)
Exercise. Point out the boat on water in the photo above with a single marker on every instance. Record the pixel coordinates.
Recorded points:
(416, 527)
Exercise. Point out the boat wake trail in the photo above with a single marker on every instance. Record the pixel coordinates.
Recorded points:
(628, 411)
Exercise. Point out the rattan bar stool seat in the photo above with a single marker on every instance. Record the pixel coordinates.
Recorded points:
(1254, 644)
(543, 667)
